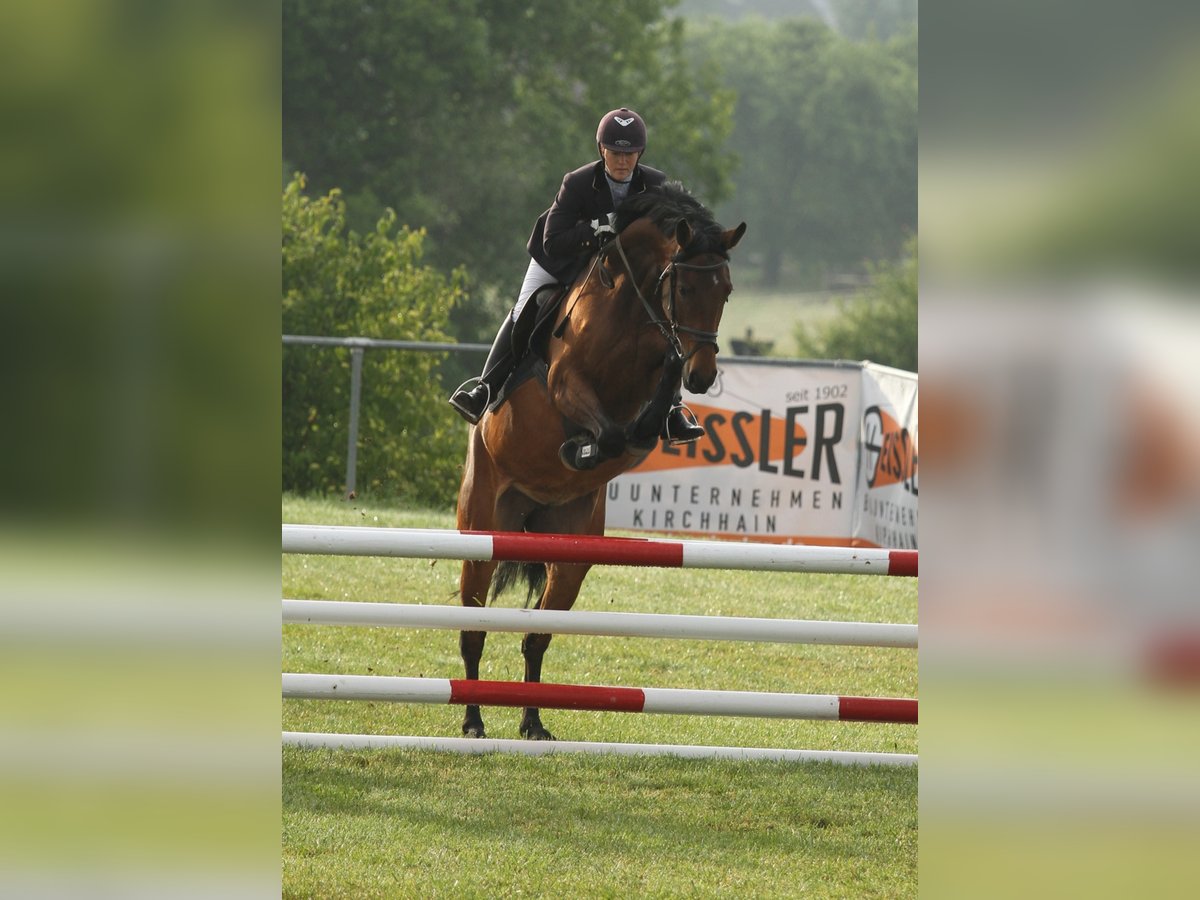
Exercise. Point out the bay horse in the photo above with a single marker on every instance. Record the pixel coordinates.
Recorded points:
(642, 321)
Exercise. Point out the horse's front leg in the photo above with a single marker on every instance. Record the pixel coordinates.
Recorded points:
(470, 644)
(476, 576)
(533, 648)
(562, 587)
(645, 429)
(575, 399)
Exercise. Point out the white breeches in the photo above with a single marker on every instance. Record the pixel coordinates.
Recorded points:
(535, 277)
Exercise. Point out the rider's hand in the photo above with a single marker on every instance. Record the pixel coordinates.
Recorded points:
(603, 230)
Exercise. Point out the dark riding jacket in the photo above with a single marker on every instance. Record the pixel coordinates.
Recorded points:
(563, 239)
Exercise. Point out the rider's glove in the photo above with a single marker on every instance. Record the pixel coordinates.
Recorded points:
(603, 230)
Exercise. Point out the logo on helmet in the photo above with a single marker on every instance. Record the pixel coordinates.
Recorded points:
(621, 121)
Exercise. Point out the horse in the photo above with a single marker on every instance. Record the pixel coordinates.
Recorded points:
(641, 322)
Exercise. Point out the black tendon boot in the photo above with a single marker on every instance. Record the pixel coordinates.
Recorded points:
(470, 404)
(681, 426)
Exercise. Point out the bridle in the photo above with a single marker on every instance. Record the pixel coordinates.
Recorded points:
(669, 327)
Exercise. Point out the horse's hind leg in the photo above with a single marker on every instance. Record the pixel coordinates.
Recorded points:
(476, 576)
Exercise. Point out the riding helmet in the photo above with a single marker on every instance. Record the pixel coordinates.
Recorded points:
(622, 130)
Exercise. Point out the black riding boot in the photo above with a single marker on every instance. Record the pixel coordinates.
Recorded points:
(470, 404)
(681, 426)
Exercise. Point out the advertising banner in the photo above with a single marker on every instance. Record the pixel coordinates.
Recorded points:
(886, 511)
(783, 460)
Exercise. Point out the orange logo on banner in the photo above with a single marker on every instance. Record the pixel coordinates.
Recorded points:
(894, 450)
(735, 437)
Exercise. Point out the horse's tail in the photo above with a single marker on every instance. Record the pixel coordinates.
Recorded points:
(508, 573)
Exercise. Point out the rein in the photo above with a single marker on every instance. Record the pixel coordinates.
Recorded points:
(669, 327)
(562, 326)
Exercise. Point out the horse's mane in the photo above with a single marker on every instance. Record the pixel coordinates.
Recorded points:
(665, 206)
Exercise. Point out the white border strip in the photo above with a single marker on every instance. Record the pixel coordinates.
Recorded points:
(652, 625)
(317, 740)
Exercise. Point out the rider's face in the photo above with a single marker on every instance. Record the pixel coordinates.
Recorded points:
(619, 165)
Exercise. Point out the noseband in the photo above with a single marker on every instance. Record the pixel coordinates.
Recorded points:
(669, 327)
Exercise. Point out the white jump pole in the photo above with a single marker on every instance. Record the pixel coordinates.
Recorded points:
(532, 621)
(315, 740)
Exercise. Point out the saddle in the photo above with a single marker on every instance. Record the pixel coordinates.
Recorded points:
(531, 334)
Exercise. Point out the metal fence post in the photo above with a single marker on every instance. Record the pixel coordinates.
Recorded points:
(356, 360)
(357, 345)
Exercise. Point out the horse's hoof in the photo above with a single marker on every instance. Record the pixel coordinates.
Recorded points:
(473, 731)
(534, 730)
(579, 454)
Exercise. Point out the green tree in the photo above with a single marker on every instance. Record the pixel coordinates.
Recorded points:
(875, 19)
(825, 129)
(855, 19)
(463, 115)
(880, 324)
(339, 283)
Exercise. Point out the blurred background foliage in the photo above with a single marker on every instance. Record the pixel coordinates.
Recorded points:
(463, 116)
(825, 130)
(880, 324)
(338, 283)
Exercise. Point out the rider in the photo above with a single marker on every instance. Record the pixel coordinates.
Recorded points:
(566, 235)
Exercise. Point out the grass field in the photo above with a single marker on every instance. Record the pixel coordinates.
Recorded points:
(419, 824)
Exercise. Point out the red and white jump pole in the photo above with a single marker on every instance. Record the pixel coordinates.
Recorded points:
(398, 689)
(418, 543)
(550, 748)
(536, 621)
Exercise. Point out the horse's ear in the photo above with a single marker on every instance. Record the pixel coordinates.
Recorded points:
(731, 237)
(683, 233)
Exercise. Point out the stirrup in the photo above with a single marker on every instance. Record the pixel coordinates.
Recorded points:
(470, 414)
(694, 430)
